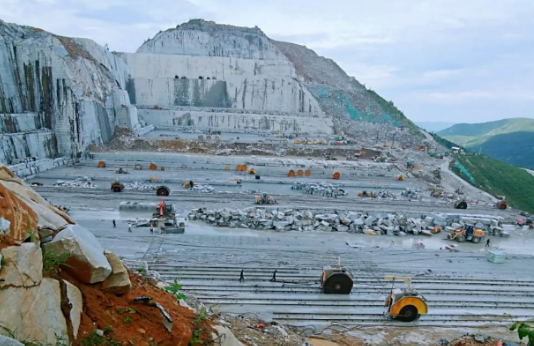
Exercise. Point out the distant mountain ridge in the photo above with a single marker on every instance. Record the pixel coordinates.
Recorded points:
(508, 140)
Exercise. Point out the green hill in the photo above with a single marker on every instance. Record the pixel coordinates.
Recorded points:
(498, 179)
(508, 140)
(515, 148)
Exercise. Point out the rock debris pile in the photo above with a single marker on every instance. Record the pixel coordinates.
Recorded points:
(137, 186)
(321, 189)
(81, 182)
(204, 188)
(351, 222)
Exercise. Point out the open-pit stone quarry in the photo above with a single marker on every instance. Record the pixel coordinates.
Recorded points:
(243, 117)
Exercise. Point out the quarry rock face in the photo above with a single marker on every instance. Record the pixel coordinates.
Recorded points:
(86, 262)
(58, 94)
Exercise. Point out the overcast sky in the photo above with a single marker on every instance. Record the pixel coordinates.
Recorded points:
(438, 60)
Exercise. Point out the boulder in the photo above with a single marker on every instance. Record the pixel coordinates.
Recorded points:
(48, 215)
(75, 300)
(20, 216)
(118, 282)
(34, 313)
(23, 266)
(5, 341)
(86, 262)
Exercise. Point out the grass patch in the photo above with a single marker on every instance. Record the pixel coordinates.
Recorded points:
(52, 262)
(175, 290)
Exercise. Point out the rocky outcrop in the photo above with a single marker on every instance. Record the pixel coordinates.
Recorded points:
(58, 95)
(21, 218)
(86, 261)
(205, 38)
(23, 266)
(33, 313)
(48, 216)
(118, 282)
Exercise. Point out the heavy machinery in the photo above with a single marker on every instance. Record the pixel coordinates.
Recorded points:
(400, 177)
(117, 186)
(165, 219)
(405, 305)
(163, 191)
(502, 205)
(461, 204)
(264, 199)
(468, 234)
(336, 279)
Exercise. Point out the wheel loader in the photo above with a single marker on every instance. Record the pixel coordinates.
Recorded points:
(336, 279)
(468, 234)
(405, 305)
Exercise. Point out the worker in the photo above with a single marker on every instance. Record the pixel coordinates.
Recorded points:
(191, 184)
(129, 227)
(151, 229)
(273, 279)
(114, 224)
(488, 243)
(242, 276)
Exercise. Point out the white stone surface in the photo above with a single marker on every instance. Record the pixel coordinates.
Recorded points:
(239, 122)
(87, 261)
(240, 83)
(75, 299)
(203, 38)
(34, 313)
(70, 83)
(24, 266)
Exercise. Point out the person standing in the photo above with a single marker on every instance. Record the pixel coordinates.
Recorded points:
(273, 279)
(151, 229)
(191, 184)
(242, 276)
(488, 243)
(114, 224)
(129, 227)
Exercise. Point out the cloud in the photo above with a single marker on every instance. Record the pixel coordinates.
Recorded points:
(433, 58)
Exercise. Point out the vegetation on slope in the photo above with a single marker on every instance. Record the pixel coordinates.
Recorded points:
(489, 128)
(513, 148)
(499, 179)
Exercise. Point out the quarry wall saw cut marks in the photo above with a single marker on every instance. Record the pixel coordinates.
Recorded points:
(59, 95)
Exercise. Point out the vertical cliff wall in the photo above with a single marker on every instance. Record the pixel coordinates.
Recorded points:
(57, 94)
(203, 64)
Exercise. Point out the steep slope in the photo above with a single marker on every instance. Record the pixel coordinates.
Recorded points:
(338, 93)
(58, 95)
(252, 72)
(498, 179)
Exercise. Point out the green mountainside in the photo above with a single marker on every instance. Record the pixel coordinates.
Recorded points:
(498, 179)
(508, 140)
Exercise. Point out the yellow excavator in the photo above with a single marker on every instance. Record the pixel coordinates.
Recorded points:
(469, 233)
(404, 304)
